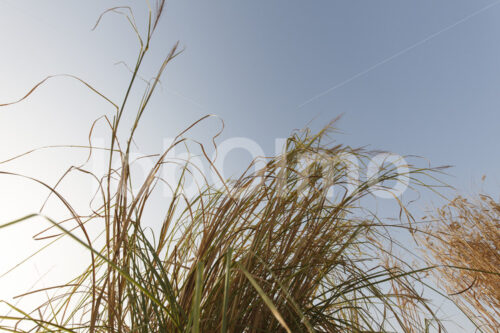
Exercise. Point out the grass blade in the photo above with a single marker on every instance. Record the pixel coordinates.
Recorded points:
(266, 299)
(197, 298)
(226, 290)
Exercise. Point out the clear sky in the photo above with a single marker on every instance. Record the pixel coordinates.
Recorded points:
(410, 77)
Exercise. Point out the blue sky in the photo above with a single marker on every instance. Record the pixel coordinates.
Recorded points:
(255, 64)
(410, 77)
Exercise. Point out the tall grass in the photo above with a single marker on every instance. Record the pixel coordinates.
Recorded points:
(269, 251)
(467, 234)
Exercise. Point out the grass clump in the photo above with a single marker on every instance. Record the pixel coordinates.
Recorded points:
(466, 234)
(269, 251)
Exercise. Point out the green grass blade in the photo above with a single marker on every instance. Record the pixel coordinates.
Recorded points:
(197, 298)
(265, 298)
(226, 290)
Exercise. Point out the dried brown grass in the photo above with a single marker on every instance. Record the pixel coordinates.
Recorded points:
(466, 233)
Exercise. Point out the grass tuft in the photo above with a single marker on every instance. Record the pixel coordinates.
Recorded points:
(269, 251)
